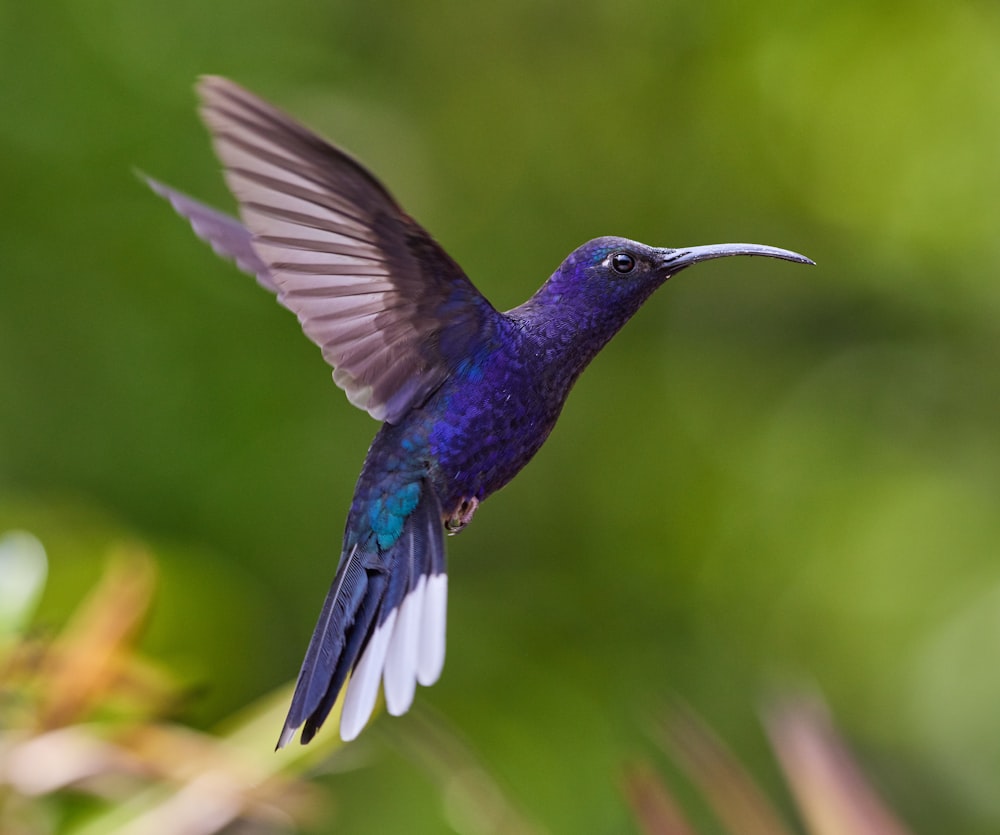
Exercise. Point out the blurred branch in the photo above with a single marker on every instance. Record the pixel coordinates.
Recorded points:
(832, 793)
(653, 807)
(93, 657)
(735, 798)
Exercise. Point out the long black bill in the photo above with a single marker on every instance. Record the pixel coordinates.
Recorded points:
(677, 259)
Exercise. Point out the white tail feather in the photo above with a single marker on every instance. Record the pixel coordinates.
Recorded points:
(401, 660)
(362, 689)
(430, 657)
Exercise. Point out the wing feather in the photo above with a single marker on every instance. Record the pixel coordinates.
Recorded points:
(370, 287)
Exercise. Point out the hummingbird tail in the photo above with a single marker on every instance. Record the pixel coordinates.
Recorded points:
(383, 621)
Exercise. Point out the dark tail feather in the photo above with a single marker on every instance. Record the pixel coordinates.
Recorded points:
(384, 614)
(226, 235)
(358, 635)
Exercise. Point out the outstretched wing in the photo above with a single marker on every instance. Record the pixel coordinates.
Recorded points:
(391, 311)
(383, 619)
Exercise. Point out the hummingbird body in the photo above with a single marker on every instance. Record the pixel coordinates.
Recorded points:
(484, 424)
(467, 395)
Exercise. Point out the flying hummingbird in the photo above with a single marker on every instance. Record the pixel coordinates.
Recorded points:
(466, 395)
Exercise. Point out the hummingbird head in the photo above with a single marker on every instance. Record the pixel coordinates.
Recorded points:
(605, 281)
(618, 269)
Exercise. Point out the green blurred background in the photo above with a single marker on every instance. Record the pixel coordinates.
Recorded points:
(773, 476)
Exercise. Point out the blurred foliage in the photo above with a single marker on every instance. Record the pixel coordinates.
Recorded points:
(772, 474)
(832, 795)
(87, 745)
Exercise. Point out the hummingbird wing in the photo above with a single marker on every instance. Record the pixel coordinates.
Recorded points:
(383, 621)
(391, 311)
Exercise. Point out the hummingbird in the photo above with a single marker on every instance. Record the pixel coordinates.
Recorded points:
(465, 394)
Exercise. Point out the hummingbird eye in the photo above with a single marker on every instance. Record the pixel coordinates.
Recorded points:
(622, 262)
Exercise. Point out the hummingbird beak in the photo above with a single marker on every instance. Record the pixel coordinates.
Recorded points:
(675, 260)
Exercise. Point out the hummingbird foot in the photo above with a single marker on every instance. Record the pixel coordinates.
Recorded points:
(461, 516)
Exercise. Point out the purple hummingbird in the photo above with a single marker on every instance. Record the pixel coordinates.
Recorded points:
(466, 395)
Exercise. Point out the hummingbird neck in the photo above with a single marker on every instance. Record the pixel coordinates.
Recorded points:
(569, 325)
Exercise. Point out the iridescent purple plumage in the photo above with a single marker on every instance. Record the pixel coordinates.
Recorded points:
(467, 394)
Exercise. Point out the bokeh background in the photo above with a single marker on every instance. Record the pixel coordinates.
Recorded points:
(775, 476)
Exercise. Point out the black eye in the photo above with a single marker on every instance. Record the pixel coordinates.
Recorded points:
(622, 262)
